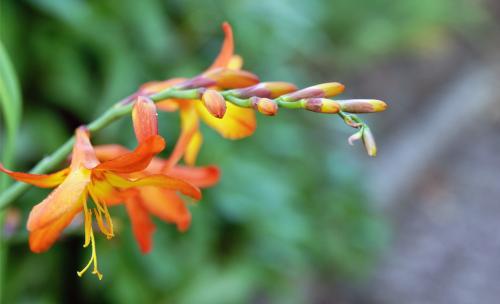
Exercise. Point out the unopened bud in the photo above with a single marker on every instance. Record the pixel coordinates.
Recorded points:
(355, 137)
(369, 141)
(321, 105)
(144, 118)
(265, 90)
(231, 79)
(265, 106)
(214, 102)
(362, 105)
(323, 90)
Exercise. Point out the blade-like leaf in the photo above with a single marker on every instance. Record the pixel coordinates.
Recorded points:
(10, 106)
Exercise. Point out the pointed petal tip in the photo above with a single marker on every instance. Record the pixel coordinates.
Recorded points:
(226, 26)
(227, 49)
(184, 224)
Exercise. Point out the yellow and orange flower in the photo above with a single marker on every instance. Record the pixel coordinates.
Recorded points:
(164, 203)
(236, 123)
(86, 176)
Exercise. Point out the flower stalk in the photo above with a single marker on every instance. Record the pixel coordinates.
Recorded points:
(124, 107)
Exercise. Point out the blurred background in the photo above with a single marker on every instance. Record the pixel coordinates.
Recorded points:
(299, 216)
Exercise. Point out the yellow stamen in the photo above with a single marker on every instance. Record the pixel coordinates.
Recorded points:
(102, 226)
(96, 201)
(89, 234)
(87, 217)
(102, 208)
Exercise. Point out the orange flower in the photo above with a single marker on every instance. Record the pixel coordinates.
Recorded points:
(164, 203)
(236, 123)
(101, 180)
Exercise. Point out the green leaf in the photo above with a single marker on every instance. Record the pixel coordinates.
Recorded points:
(10, 105)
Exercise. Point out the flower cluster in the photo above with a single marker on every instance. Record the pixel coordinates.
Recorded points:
(225, 97)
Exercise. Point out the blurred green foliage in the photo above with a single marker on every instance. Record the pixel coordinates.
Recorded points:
(290, 209)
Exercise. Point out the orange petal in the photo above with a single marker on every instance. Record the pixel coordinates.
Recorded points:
(145, 118)
(189, 127)
(42, 239)
(199, 176)
(237, 122)
(193, 148)
(105, 192)
(108, 152)
(136, 160)
(63, 200)
(190, 140)
(168, 105)
(158, 180)
(156, 166)
(227, 49)
(181, 148)
(231, 79)
(39, 180)
(166, 205)
(83, 152)
(142, 226)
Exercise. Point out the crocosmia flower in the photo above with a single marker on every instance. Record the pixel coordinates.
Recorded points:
(164, 203)
(235, 123)
(102, 181)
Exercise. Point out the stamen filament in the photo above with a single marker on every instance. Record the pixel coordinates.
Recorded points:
(102, 208)
(89, 234)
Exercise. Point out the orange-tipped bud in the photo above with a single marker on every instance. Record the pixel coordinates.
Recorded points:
(231, 79)
(321, 105)
(323, 90)
(369, 141)
(362, 105)
(144, 118)
(265, 106)
(265, 90)
(214, 102)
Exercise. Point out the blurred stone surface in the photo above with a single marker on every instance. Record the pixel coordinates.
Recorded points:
(447, 241)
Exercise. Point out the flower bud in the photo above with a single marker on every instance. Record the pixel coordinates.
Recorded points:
(214, 102)
(355, 137)
(144, 118)
(231, 79)
(321, 105)
(265, 90)
(323, 90)
(369, 141)
(265, 106)
(362, 105)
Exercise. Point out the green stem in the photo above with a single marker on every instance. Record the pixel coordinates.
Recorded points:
(299, 104)
(243, 103)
